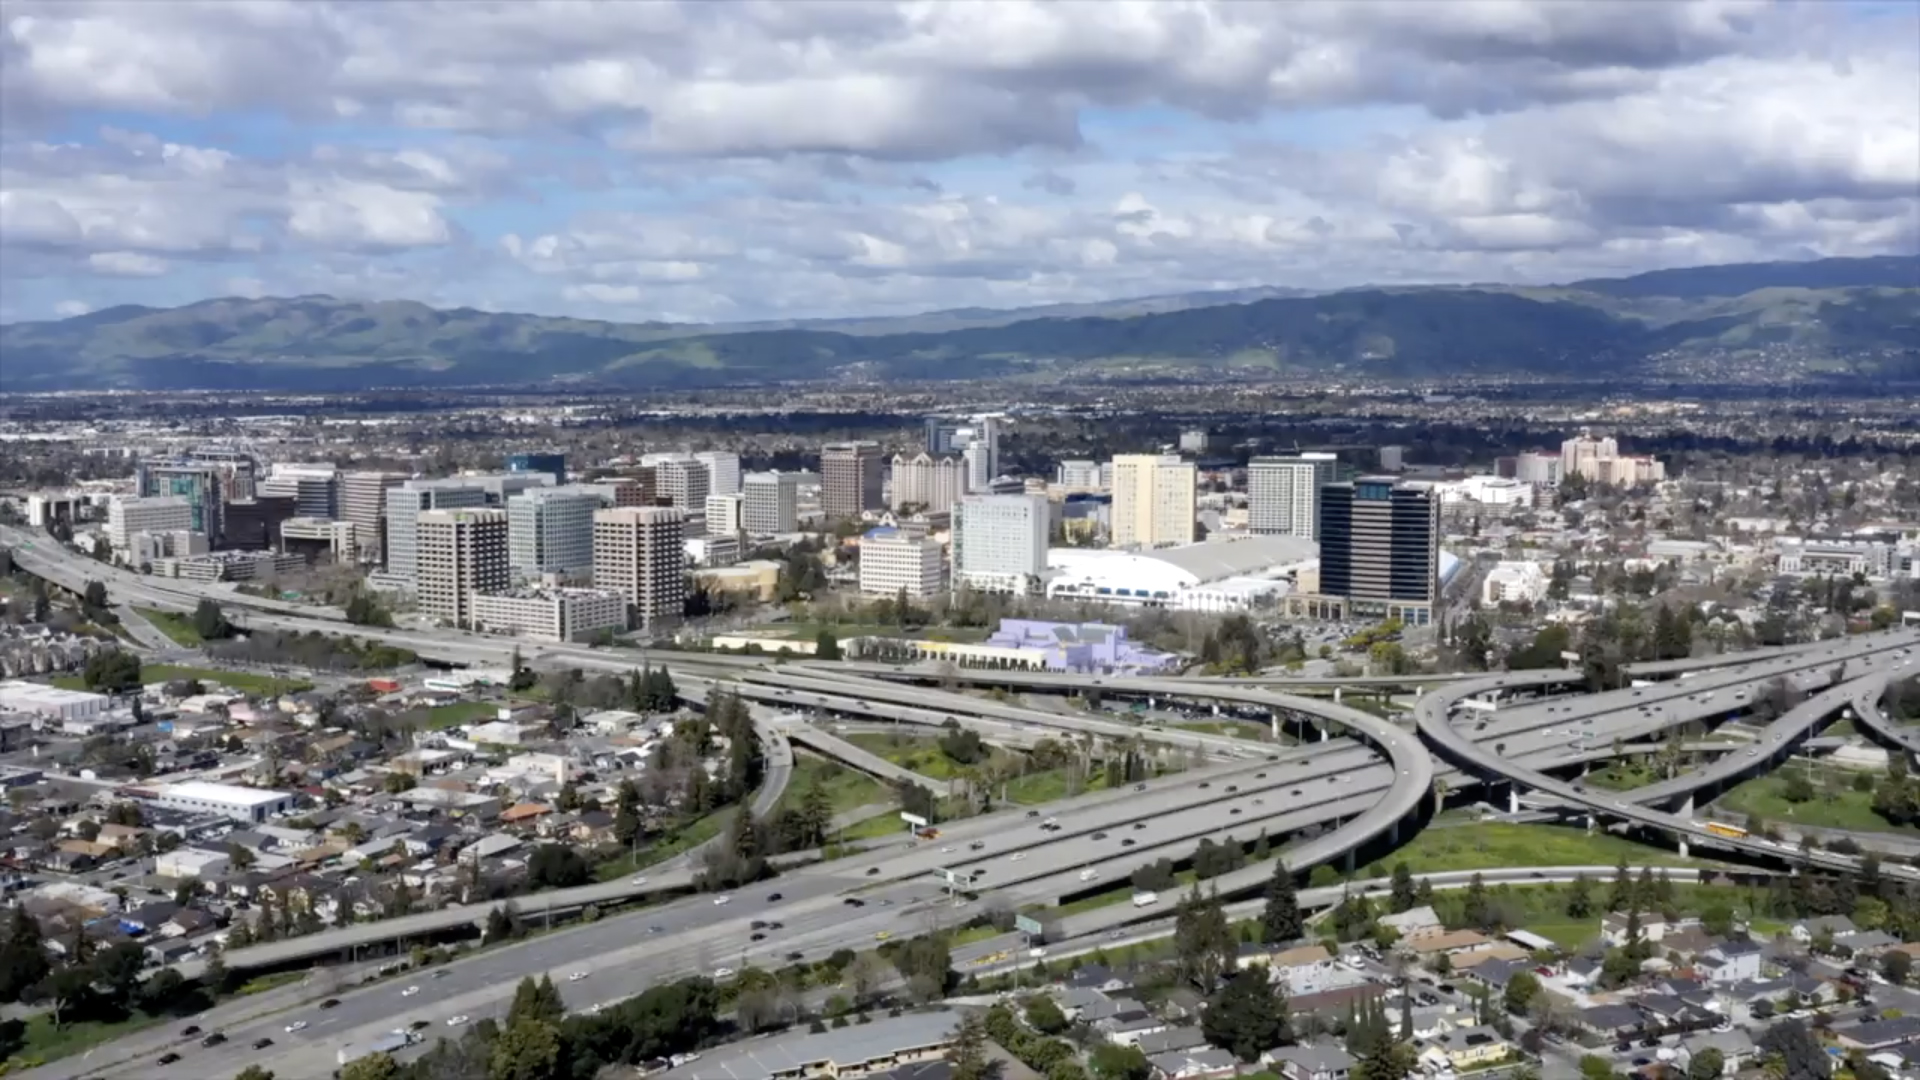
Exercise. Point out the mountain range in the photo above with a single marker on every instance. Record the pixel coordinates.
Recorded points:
(1858, 317)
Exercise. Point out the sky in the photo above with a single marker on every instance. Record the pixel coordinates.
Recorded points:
(770, 159)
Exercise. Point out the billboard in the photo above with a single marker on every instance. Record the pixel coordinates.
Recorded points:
(1028, 925)
(914, 820)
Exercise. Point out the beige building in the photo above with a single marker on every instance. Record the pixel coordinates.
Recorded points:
(641, 553)
(726, 514)
(155, 514)
(1153, 499)
(459, 553)
(551, 614)
(933, 484)
(850, 479)
(895, 559)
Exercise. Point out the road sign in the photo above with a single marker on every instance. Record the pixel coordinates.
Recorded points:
(1028, 925)
(914, 820)
(1570, 657)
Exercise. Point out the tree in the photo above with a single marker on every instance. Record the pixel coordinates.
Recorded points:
(826, 646)
(969, 1055)
(536, 1001)
(1045, 1016)
(253, 1072)
(94, 598)
(1203, 941)
(210, 622)
(1391, 1060)
(1111, 1062)
(522, 678)
(1707, 1064)
(1800, 1053)
(1246, 1015)
(1280, 921)
(1580, 898)
(1403, 888)
(1896, 966)
(1476, 910)
(23, 956)
(111, 671)
(1522, 988)
(371, 1067)
(528, 1049)
(1595, 1067)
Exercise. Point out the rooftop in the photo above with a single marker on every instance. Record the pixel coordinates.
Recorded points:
(17, 692)
(844, 1047)
(224, 793)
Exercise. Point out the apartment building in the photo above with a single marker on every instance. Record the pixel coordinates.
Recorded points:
(1283, 494)
(1153, 501)
(1000, 542)
(930, 483)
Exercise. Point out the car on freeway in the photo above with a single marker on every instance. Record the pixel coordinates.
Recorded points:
(457, 1021)
(419, 1025)
(796, 956)
(330, 1003)
(167, 1058)
(297, 1025)
(1206, 783)
(576, 976)
(723, 898)
(947, 850)
(190, 1030)
(854, 901)
(1099, 836)
(757, 935)
(1139, 787)
(723, 973)
(873, 871)
(774, 898)
(410, 991)
(1017, 856)
(1033, 813)
(637, 879)
(656, 929)
(262, 1043)
(214, 1039)
(976, 845)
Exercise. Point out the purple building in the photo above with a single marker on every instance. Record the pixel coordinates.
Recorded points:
(1083, 647)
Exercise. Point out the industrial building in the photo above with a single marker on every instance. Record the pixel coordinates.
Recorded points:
(1219, 576)
(554, 614)
(227, 800)
(51, 702)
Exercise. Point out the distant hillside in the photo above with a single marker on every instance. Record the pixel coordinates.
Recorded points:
(1866, 311)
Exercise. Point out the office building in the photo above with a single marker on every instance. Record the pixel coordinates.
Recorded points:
(460, 553)
(206, 479)
(726, 515)
(723, 471)
(1380, 550)
(146, 548)
(772, 503)
(312, 538)
(1283, 494)
(850, 479)
(550, 531)
(227, 565)
(363, 501)
(1082, 476)
(1393, 458)
(404, 504)
(641, 553)
(623, 490)
(1537, 467)
(683, 483)
(155, 514)
(552, 614)
(925, 482)
(940, 432)
(314, 489)
(713, 550)
(1196, 441)
(552, 463)
(253, 524)
(896, 560)
(1000, 542)
(1153, 499)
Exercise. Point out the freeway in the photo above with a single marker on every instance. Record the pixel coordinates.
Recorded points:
(1875, 720)
(839, 749)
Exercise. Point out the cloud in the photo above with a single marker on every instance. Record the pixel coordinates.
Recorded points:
(779, 159)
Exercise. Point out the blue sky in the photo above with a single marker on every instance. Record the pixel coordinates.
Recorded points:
(720, 162)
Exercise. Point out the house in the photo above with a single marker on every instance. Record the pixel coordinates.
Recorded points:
(592, 827)
(1311, 1061)
(1735, 1046)
(164, 951)
(1428, 946)
(147, 918)
(1174, 1038)
(1615, 1023)
(1730, 962)
(1880, 1034)
(1085, 1004)
(1201, 1063)
(1096, 977)
(1494, 974)
(1868, 942)
(187, 922)
(1495, 950)
(1653, 926)
(1413, 922)
(1431, 1020)
(1838, 926)
(1463, 1049)
(1129, 1022)
(523, 815)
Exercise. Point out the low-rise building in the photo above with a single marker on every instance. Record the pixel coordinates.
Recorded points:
(52, 702)
(894, 560)
(554, 614)
(227, 800)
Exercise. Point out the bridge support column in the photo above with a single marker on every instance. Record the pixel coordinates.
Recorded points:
(1273, 723)
(1590, 823)
(1336, 695)
(1324, 735)
(1348, 861)
(1513, 798)
(1683, 847)
(1686, 808)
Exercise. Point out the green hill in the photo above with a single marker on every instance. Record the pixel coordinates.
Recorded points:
(1865, 314)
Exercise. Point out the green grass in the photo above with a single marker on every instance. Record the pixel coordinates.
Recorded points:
(176, 626)
(845, 788)
(461, 712)
(44, 1042)
(1622, 775)
(1499, 843)
(878, 827)
(972, 934)
(244, 682)
(674, 842)
(1835, 804)
(1051, 785)
(269, 982)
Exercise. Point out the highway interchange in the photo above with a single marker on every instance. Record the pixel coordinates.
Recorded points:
(1369, 782)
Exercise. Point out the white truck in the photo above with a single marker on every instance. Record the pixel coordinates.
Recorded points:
(385, 1044)
(1145, 898)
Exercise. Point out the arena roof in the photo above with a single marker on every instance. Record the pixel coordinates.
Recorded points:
(1237, 558)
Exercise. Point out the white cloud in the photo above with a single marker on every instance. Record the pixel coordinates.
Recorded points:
(67, 309)
(126, 264)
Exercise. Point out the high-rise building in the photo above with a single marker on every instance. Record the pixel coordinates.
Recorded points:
(940, 433)
(896, 560)
(252, 524)
(726, 515)
(363, 501)
(1393, 458)
(622, 490)
(404, 504)
(1082, 476)
(850, 480)
(1283, 494)
(1540, 468)
(207, 479)
(723, 471)
(933, 484)
(641, 552)
(1582, 455)
(550, 531)
(683, 483)
(460, 553)
(1000, 542)
(1153, 500)
(155, 514)
(314, 489)
(553, 463)
(772, 503)
(978, 463)
(1380, 549)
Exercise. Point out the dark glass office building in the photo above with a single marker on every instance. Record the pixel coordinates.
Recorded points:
(1380, 549)
(546, 463)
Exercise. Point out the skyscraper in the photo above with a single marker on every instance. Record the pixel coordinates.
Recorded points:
(723, 471)
(1000, 542)
(207, 479)
(772, 503)
(404, 504)
(460, 553)
(1283, 494)
(683, 482)
(363, 501)
(550, 531)
(850, 479)
(641, 552)
(314, 489)
(1380, 549)
(1153, 500)
(932, 484)
(940, 431)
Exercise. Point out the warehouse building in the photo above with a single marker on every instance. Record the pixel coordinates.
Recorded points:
(227, 800)
(51, 702)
